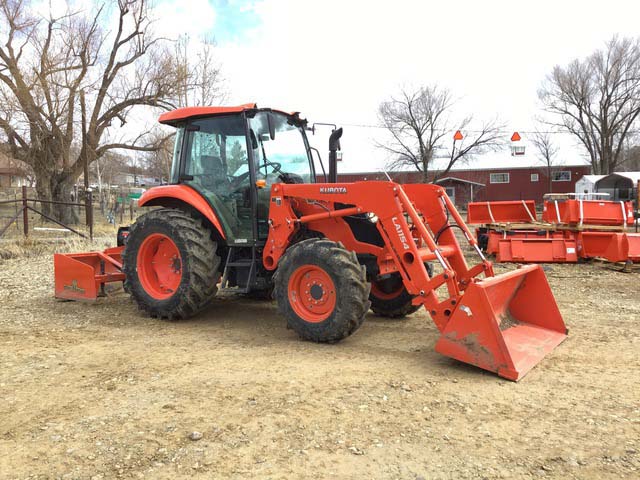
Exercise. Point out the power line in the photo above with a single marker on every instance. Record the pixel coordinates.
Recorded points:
(441, 130)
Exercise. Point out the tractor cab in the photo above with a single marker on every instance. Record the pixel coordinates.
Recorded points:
(232, 155)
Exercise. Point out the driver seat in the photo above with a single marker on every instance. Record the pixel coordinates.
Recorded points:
(214, 176)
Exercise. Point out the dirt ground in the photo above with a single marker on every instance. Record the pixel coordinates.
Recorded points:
(99, 391)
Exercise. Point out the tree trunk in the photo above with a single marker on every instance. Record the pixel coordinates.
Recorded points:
(57, 187)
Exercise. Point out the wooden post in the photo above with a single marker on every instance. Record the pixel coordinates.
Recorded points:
(25, 211)
(15, 197)
(88, 201)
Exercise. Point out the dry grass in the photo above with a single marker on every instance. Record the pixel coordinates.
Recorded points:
(37, 247)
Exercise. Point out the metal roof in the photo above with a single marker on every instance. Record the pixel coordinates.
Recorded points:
(633, 176)
(461, 180)
(174, 116)
(592, 178)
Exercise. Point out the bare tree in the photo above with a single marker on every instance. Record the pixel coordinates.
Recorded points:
(547, 151)
(631, 159)
(419, 122)
(598, 100)
(202, 82)
(69, 83)
(158, 162)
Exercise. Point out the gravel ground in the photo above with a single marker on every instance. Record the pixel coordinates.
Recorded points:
(99, 391)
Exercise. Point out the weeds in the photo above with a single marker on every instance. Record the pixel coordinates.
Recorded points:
(32, 248)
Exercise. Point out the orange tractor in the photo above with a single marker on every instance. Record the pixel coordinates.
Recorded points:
(244, 212)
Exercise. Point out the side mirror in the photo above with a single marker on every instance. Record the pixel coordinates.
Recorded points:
(272, 126)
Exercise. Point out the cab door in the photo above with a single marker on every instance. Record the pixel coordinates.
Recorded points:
(216, 164)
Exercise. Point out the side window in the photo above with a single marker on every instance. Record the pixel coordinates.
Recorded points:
(217, 155)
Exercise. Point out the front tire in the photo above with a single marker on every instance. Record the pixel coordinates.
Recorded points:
(170, 264)
(321, 290)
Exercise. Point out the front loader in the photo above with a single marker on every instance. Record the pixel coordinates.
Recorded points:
(244, 213)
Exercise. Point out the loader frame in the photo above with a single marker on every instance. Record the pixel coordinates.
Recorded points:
(408, 244)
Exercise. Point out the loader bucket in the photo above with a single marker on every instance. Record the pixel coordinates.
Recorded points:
(81, 276)
(505, 324)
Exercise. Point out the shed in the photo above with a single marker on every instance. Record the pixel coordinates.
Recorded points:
(587, 184)
(460, 190)
(619, 185)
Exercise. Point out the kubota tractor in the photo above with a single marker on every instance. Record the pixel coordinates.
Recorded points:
(244, 212)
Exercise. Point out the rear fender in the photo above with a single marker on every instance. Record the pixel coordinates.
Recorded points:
(176, 196)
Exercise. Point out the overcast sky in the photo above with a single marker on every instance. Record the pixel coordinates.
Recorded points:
(335, 61)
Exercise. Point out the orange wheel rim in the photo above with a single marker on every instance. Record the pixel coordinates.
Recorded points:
(159, 266)
(312, 293)
(382, 295)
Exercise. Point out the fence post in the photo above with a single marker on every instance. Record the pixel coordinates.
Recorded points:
(88, 207)
(25, 211)
(15, 198)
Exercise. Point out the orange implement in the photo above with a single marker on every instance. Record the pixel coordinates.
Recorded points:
(505, 324)
(516, 211)
(82, 276)
(532, 246)
(588, 212)
(612, 246)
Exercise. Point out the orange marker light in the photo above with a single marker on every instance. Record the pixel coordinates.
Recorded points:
(261, 183)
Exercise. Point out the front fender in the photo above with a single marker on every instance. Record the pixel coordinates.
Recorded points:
(167, 195)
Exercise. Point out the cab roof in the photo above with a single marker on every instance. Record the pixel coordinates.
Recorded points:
(175, 116)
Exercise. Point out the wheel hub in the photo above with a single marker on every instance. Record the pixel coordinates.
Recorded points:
(312, 293)
(159, 266)
(316, 291)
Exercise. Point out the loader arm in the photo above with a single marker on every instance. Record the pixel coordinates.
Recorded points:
(408, 244)
(486, 322)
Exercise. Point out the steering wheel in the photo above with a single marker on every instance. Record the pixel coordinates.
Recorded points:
(276, 166)
(237, 181)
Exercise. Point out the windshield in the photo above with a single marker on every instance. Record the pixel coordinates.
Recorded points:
(286, 154)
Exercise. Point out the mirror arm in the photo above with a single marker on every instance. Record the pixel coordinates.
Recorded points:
(324, 172)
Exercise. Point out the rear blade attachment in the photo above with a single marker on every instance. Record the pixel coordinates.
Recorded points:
(505, 324)
(82, 276)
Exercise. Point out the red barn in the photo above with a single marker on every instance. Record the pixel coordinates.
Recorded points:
(504, 175)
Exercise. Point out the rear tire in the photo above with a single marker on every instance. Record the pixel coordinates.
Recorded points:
(170, 264)
(321, 290)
